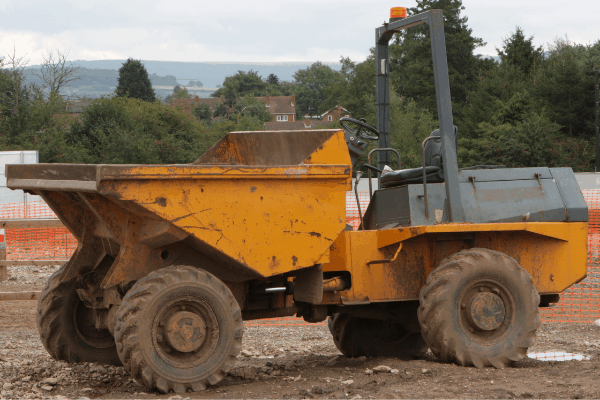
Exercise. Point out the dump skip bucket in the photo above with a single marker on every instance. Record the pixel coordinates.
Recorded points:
(259, 203)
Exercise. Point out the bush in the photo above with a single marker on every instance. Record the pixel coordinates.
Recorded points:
(124, 130)
(535, 142)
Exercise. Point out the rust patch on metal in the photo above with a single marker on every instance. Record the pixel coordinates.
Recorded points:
(274, 262)
(486, 311)
(161, 201)
(186, 331)
(265, 148)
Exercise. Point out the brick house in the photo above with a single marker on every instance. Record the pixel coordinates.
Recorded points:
(317, 122)
(335, 114)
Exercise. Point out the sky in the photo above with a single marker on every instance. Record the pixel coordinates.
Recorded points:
(258, 30)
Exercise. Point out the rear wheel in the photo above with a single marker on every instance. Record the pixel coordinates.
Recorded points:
(67, 327)
(356, 337)
(179, 329)
(479, 307)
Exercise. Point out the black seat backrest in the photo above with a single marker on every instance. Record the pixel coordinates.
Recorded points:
(433, 149)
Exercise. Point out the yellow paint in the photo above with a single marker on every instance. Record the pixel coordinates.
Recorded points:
(272, 219)
(554, 254)
(327, 154)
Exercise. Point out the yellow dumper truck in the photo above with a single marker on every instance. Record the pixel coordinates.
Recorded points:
(171, 259)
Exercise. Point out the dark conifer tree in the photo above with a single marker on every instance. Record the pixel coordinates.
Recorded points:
(134, 81)
(519, 51)
(412, 67)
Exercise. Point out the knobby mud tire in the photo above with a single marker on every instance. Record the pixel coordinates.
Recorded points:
(66, 328)
(357, 337)
(448, 333)
(138, 349)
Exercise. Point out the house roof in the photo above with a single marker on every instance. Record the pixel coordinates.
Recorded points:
(284, 126)
(317, 123)
(334, 108)
(280, 104)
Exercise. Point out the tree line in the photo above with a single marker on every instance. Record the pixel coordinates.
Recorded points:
(532, 106)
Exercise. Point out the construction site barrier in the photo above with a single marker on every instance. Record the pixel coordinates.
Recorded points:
(34, 243)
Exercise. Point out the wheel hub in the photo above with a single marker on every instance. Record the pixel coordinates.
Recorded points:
(185, 331)
(486, 311)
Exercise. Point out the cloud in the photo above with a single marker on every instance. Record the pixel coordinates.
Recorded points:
(308, 30)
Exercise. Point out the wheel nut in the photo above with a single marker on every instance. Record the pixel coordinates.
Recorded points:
(183, 307)
(495, 290)
(168, 350)
(159, 338)
(161, 323)
(463, 305)
(481, 288)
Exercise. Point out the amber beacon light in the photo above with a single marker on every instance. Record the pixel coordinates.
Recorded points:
(397, 13)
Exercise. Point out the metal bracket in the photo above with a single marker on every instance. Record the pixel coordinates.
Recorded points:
(358, 175)
(387, 261)
(472, 179)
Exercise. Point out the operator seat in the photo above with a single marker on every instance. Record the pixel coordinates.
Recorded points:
(433, 165)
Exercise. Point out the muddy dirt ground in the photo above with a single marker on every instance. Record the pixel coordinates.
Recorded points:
(297, 362)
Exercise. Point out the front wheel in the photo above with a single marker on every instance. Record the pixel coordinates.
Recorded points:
(179, 328)
(479, 307)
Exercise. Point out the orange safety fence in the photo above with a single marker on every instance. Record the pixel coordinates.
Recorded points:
(580, 303)
(35, 243)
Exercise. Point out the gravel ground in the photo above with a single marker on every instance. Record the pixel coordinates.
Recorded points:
(297, 362)
(23, 279)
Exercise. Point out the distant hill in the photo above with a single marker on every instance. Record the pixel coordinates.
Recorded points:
(98, 82)
(100, 77)
(210, 74)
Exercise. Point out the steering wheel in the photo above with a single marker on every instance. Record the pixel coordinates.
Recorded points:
(363, 131)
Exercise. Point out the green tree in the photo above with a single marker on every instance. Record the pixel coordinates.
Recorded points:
(29, 120)
(178, 93)
(355, 88)
(513, 111)
(132, 131)
(410, 125)
(15, 98)
(251, 108)
(202, 112)
(240, 85)
(273, 79)
(312, 86)
(410, 56)
(535, 142)
(134, 82)
(520, 51)
(221, 110)
(564, 86)
(497, 85)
